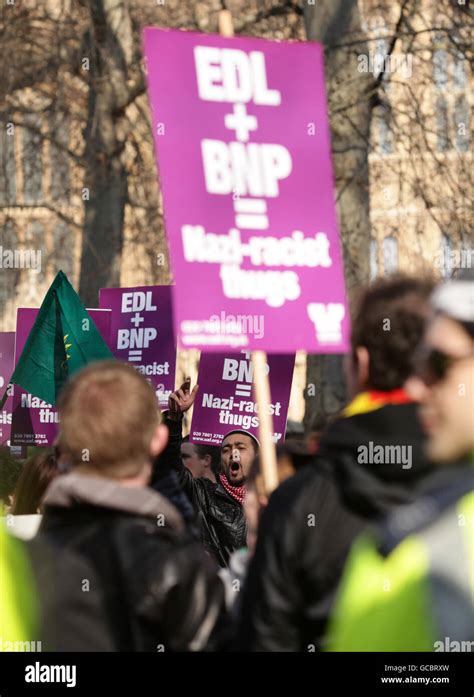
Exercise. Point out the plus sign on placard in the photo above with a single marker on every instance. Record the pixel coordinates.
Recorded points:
(136, 319)
(241, 122)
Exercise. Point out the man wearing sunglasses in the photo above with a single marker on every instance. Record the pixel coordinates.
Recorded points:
(417, 566)
(445, 374)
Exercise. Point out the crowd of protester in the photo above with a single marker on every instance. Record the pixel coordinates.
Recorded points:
(149, 542)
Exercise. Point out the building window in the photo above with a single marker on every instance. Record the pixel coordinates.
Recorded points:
(34, 235)
(459, 72)
(7, 166)
(446, 248)
(59, 133)
(466, 256)
(442, 142)
(440, 68)
(34, 240)
(62, 249)
(385, 133)
(380, 56)
(8, 277)
(32, 160)
(450, 68)
(461, 123)
(374, 267)
(390, 255)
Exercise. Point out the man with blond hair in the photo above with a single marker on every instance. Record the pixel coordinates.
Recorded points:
(115, 568)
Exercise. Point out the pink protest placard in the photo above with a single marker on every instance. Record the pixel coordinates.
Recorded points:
(7, 359)
(141, 333)
(34, 421)
(225, 398)
(244, 155)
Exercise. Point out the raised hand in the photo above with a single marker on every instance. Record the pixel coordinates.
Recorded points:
(182, 399)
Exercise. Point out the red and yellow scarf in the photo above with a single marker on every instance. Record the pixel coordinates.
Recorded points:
(371, 400)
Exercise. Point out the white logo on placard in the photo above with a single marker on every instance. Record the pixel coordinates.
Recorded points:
(327, 321)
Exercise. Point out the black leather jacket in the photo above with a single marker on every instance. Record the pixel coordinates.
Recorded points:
(116, 572)
(306, 531)
(221, 517)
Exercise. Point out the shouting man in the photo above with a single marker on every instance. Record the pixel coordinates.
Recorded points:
(218, 504)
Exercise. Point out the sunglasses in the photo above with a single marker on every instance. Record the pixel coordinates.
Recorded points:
(432, 365)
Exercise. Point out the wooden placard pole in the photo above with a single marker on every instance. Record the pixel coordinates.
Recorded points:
(226, 25)
(268, 461)
(259, 360)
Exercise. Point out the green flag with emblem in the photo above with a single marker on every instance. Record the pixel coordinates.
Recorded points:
(62, 340)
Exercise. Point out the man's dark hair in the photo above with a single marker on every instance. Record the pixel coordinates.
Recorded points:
(214, 453)
(389, 323)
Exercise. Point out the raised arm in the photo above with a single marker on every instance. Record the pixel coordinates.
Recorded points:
(170, 459)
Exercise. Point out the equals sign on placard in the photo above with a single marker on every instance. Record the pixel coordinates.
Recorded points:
(251, 213)
(243, 390)
(134, 356)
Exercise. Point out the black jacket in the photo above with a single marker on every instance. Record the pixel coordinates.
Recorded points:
(116, 572)
(311, 521)
(221, 518)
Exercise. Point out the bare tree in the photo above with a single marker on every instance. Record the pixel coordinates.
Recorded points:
(73, 109)
(399, 86)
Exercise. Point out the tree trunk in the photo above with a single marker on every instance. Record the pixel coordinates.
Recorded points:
(333, 23)
(103, 226)
(110, 56)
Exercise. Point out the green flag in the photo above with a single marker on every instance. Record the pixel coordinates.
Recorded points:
(63, 339)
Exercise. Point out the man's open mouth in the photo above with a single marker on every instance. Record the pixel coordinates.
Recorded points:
(234, 467)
